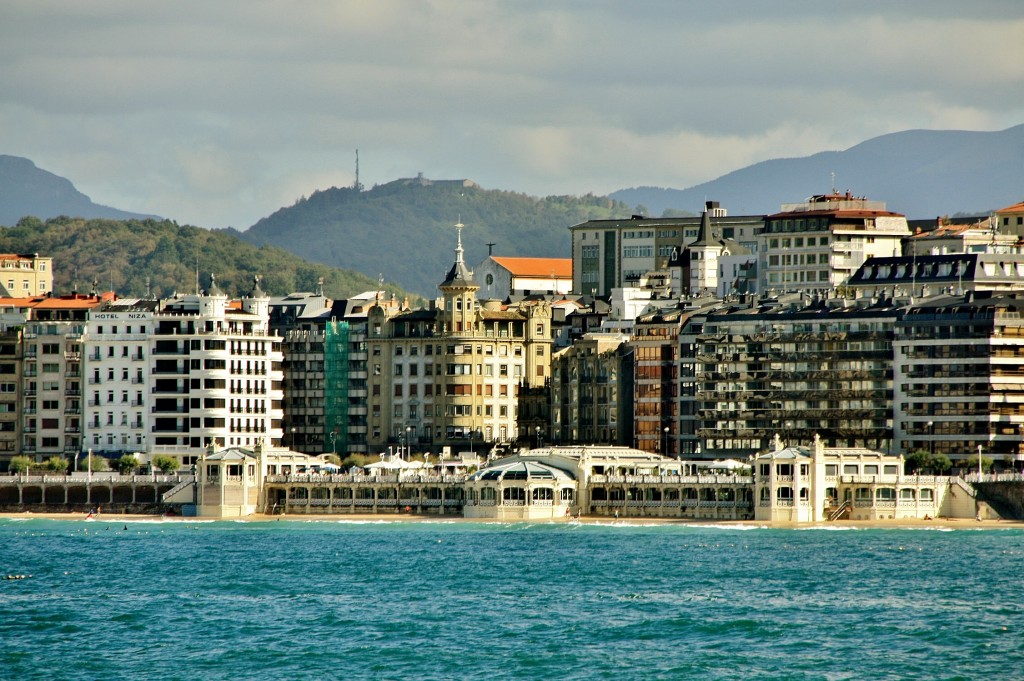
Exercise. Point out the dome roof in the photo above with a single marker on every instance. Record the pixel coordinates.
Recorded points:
(523, 470)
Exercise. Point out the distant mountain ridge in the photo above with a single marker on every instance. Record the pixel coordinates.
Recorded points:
(919, 173)
(26, 190)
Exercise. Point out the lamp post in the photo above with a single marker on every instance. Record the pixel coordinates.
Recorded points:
(334, 444)
(979, 463)
(664, 449)
(931, 438)
(408, 435)
(292, 438)
(540, 441)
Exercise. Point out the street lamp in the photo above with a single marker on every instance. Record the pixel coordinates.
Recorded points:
(408, 434)
(931, 437)
(664, 449)
(334, 444)
(540, 440)
(292, 431)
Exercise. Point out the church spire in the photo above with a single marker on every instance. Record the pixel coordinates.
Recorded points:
(459, 275)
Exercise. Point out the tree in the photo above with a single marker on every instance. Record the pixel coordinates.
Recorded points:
(95, 462)
(126, 464)
(971, 463)
(916, 461)
(940, 463)
(56, 464)
(333, 458)
(166, 463)
(20, 464)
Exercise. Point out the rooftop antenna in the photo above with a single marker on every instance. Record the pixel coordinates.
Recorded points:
(490, 248)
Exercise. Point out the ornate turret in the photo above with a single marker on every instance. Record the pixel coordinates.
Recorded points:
(459, 276)
(257, 302)
(459, 292)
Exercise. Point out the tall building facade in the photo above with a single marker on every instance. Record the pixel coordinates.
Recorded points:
(117, 377)
(958, 363)
(215, 372)
(591, 391)
(798, 371)
(52, 375)
(818, 244)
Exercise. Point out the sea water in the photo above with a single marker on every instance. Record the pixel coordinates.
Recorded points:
(453, 600)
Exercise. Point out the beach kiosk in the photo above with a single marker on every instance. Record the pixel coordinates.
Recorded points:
(228, 482)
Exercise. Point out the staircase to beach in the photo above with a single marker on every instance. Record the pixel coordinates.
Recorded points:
(182, 493)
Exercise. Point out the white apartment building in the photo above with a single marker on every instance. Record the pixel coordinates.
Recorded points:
(215, 371)
(117, 377)
(820, 243)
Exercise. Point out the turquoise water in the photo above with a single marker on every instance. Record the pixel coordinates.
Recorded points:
(355, 600)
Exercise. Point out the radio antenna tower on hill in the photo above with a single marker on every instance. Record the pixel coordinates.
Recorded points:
(357, 186)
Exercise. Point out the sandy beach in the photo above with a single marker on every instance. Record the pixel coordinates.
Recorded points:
(944, 523)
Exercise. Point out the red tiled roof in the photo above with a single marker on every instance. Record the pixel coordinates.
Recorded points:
(1015, 208)
(537, 267)
(76, 303)
(30, 301)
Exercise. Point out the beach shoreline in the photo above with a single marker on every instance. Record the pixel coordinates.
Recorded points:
(906, 523)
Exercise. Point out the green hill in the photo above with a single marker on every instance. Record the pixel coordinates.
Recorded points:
(404, 229)
(125, 255)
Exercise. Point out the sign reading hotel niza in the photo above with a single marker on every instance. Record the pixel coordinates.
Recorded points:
(118, 316)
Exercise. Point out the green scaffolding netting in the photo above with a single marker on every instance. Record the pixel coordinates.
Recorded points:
(336, 386)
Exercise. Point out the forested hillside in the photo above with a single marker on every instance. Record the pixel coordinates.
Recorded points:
(124, 255)
(404, 229)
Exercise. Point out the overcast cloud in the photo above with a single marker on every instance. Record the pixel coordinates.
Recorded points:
(218, 113)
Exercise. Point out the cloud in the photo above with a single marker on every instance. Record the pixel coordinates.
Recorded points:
(218, 113)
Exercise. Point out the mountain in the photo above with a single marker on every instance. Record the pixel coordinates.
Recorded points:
(404, 229)
(134, 257)
(28, 190)
(919, 173)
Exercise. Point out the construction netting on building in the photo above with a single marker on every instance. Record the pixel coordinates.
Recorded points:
(336, 382)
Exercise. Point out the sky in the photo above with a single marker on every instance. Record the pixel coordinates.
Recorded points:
(218, 113)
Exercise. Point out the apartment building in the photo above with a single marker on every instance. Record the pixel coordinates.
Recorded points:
(25, 275)
(655, 348)
(11, 406)
(116, 374)
(817, 245)
(451, 373)
(325, 370)
(591, 391)
(52, 387)
(957, 374)
(797, 369)
(216, 373)
(608, 254)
